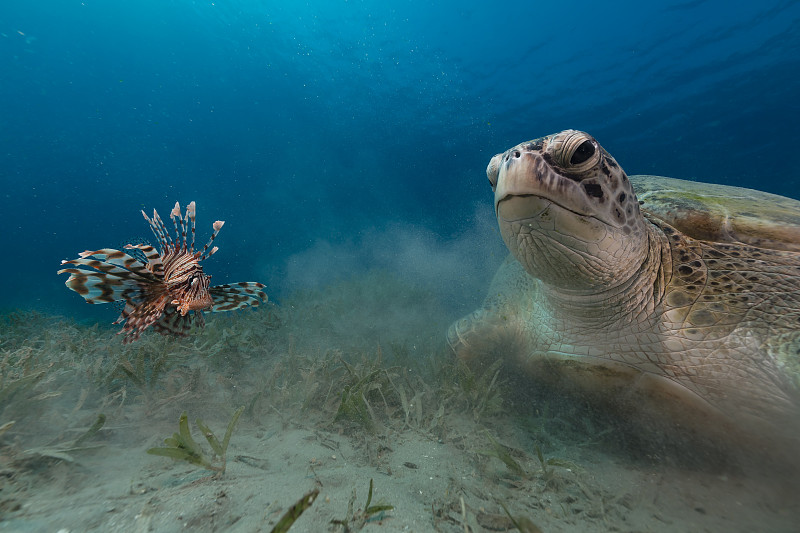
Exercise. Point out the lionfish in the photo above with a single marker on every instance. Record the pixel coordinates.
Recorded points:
(169, 291)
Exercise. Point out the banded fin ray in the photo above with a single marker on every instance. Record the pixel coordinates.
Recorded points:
(172, 322)
(118, 276)
(160, 231)
(98, 287)
(128, 267)
(205, 253)
(237, 296)
(115, 257)
(154, 261)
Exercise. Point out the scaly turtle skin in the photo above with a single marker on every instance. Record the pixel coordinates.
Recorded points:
(676, 302)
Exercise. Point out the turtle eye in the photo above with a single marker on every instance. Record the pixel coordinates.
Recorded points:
(573, 150)
(581, 154)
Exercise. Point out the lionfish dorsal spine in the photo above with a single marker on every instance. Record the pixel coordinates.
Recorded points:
(205, 253)
(157, 226)
(191, 211)
(180, 232)
(166, 239)
(190, 215)
(167, 244)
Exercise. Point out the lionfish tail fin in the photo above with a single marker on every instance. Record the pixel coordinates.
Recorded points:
(237, 296)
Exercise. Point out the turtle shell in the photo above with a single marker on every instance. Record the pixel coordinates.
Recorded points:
(721, 213)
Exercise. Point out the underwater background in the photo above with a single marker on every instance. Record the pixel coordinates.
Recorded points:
(338, 136)
(345, 144)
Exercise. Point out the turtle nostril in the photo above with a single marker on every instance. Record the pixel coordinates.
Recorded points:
(517, 154)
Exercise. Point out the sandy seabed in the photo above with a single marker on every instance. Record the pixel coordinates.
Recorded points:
(341, 388)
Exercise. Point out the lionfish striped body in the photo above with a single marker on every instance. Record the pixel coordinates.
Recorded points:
(170, 291)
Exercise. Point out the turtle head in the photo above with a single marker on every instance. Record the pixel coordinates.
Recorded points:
(568, 212)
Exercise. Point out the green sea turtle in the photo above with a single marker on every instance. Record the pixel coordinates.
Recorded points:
(676, 302)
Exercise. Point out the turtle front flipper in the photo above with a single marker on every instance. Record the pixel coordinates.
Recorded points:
(495, 330)
(485, 336)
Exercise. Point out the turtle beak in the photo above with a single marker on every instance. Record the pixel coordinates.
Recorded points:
(494, 169)
(512, 208)
(525, 174)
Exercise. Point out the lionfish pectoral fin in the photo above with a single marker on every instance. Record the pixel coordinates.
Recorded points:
(96, 287)
(110, 261)
(237, 296)
(106, 275)
(153, 257)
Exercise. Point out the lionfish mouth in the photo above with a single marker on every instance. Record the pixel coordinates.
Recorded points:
(163, 288)
(197, 297)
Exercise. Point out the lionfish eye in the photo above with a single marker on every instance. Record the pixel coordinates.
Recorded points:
(582, 153)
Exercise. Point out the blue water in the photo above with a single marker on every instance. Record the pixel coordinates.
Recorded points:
(325, 132)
